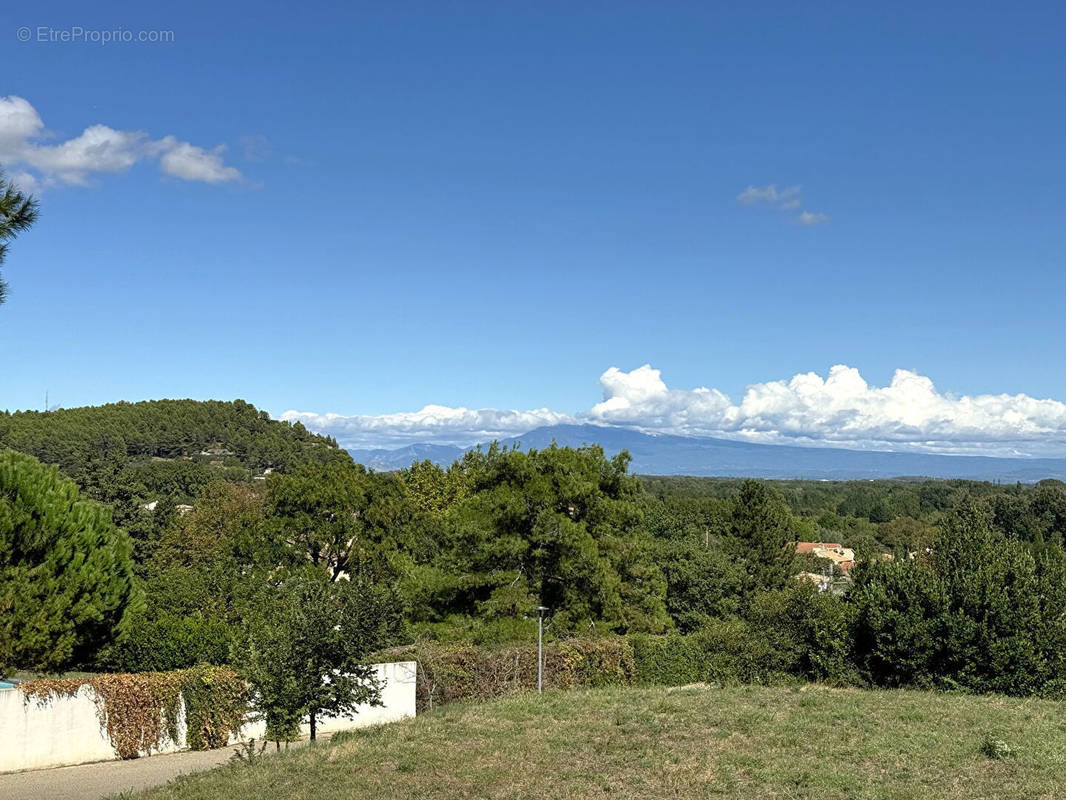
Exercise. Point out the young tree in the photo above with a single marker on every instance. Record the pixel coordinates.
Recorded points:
(305, 644)
(17, 213)
(66, 575)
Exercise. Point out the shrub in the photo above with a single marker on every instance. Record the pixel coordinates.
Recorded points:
(447, 673)
(899, 611)
(672, 660)
(808, 633)
(978, 613)
(736, 651)
(167, 642)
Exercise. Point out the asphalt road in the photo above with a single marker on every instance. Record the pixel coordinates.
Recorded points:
(94, 781)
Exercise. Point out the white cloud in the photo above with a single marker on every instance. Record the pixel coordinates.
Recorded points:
(25, 143)
(438, 424)
(787, 199)
(19, 121)
(769, 194)
(191, 163)
(807, 218)
(841, 410)
(640, 398)
(25, 182)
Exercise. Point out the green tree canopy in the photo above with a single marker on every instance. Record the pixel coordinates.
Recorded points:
(761, 535)
(559, 527)
(340, 518)
(978, 612)
(305, 645)
(66, 575)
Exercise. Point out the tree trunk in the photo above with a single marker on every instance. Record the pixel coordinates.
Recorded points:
(312, 718)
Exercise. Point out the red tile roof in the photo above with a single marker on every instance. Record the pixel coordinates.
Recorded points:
(810, 547)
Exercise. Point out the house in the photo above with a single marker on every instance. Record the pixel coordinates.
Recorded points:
(842, 558)
(810, 547)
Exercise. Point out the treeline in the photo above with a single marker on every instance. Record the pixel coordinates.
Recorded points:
(471, 550)
(958, 583)
(882, 515)
(82, 441)
(128, 455)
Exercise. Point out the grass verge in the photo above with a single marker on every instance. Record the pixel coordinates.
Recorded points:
(746, 742)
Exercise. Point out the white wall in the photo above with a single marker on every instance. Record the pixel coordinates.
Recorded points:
(397, 697)
(62, 731)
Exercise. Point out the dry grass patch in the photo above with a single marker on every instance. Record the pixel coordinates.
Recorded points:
(745, 742)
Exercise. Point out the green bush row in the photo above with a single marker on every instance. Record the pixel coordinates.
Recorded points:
(450, 672)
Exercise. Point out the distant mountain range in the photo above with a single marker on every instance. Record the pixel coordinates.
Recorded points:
(655, 454)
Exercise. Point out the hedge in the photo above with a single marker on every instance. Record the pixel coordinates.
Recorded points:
(459, 672)
(721, 653)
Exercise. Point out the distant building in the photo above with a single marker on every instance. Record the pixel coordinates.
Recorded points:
(181, 508)
(810, 547)
(842, 558)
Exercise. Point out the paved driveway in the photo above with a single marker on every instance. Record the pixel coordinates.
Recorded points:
(93, 781)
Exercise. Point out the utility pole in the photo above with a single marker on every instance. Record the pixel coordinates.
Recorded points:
(540, 648)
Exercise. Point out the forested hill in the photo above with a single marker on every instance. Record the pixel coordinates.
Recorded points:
(172, 445)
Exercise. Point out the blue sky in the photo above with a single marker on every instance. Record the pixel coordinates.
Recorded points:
(489, 205)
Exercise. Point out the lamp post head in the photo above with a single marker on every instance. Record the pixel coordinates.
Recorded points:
(540, 610)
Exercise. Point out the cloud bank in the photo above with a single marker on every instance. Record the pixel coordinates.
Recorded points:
(436, 424)
(35, 159)
(839, 410)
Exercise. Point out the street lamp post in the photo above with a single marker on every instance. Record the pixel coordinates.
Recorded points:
(540, 648)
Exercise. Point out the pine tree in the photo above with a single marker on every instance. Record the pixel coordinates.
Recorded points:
(17, 213)
(66, 574)
(762, 537)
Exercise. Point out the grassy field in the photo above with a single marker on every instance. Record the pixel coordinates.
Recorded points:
(743, 742)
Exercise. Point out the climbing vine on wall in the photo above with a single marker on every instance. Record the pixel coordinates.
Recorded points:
(216, 704)
(140, 711)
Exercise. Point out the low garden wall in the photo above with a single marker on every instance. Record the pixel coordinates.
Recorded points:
(61, 723)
